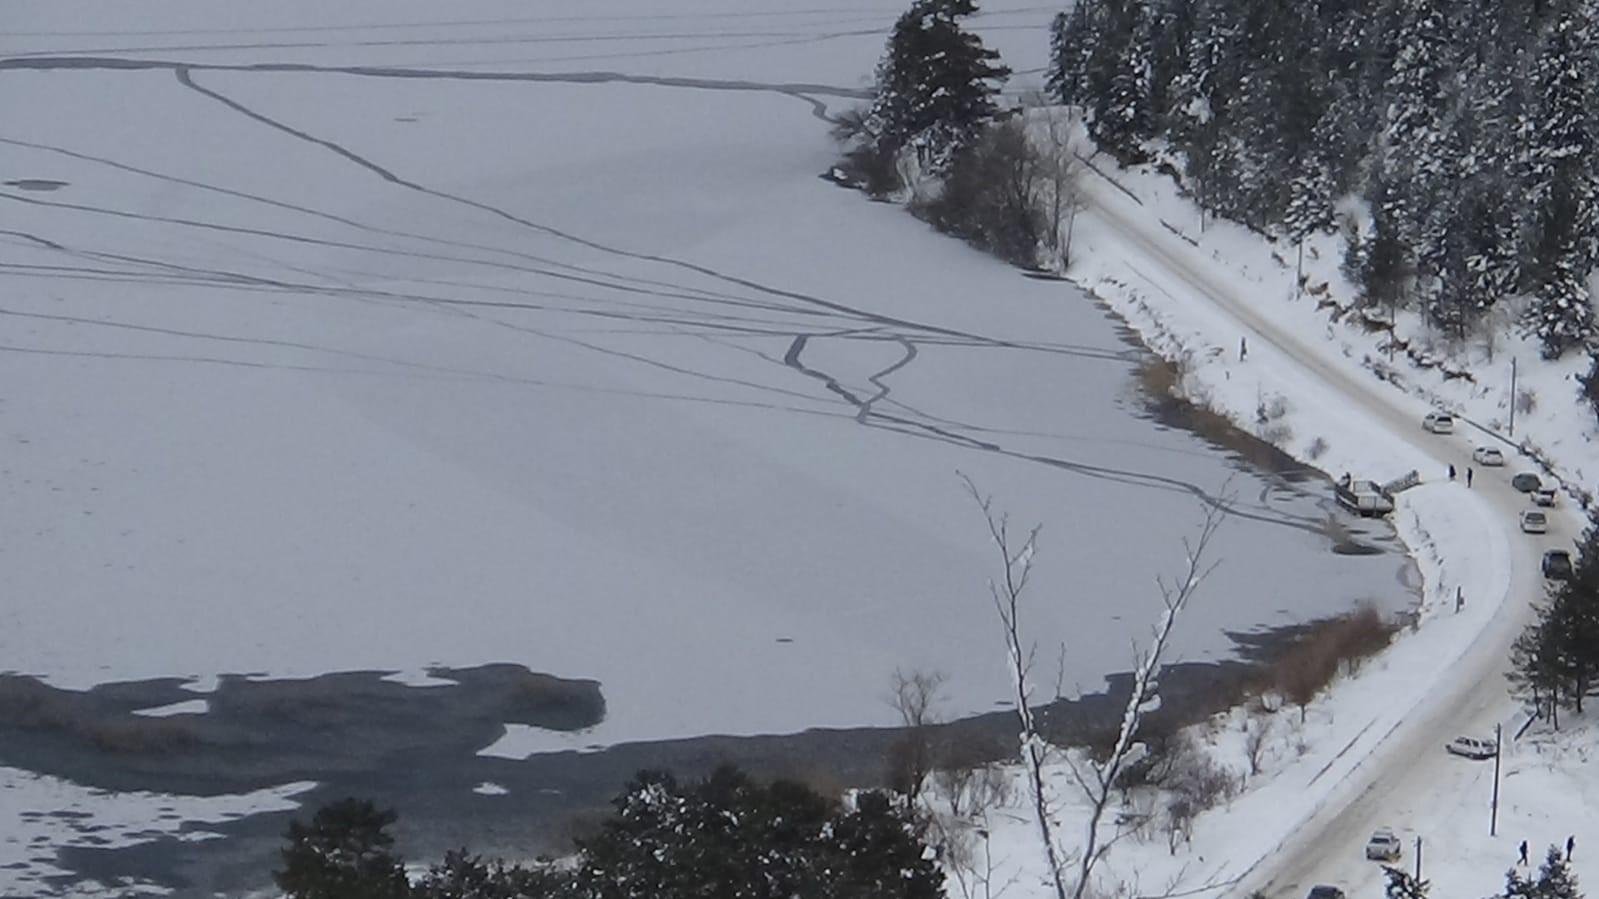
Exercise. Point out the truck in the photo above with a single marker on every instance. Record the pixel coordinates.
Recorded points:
(1363, 497)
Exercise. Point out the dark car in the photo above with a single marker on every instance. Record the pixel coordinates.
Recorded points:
(1325, 892)
(1557, 565)
(1526, 482)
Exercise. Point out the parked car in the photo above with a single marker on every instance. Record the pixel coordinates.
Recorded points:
(1322, 891)
(1534, 522)
(1472, 748)
(1439, 423)
(1526, 482)
(1363, 497)
(1384, 846)
(1545, 496)
(1488, 456)
(1557, 565)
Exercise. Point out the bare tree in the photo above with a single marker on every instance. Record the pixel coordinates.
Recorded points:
(1017, 567)
(911, 756)
(1097, 780)
(1061, 171)
(1256, 733)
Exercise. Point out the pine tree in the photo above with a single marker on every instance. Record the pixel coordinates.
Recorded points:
(1517, 887)
(1403, 886)
(1535, 672)
(936, 84)
(1387, 266)
(1563, 181)
(1555, 880)
(1413, 150)
(1119, 74)
(1072, 37)
(344, 853)
(1575, 617)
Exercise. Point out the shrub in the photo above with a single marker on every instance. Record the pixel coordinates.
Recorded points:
(1315, 658)
(1590, 384)
(992, 196)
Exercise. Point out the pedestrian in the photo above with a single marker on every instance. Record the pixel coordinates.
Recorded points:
(1451, 471)
(1571, 843)
(1460, 598)
(1523, 853)
(1243, 348)
(1468, 476)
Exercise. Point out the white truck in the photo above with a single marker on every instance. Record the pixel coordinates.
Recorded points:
(1363, 497)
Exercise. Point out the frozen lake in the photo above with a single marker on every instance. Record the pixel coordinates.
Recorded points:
(345, 337)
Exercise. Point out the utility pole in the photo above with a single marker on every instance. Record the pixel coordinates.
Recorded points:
(1299, 270)
(1418, 859)
(1499, 745)
(1512, 396)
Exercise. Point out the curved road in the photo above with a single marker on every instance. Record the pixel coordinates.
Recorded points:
(1408, 776)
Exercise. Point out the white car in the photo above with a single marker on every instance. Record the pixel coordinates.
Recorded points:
(1545, 496)
(1487, 456)
(1534, 522)
(1384, 846)
(1439, 423)
(1472, 748)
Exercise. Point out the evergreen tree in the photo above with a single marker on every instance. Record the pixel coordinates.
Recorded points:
(1413, 149)
(936, 84)
(1072, 37)
(1120, 70)
(1517, 887)
(1387, 266)
(344, 853)
(1555, 880)
(1403, 886)
(878, 852)
(1564, 185)
(730, 836)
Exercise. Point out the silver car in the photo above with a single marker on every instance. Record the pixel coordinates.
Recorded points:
(1471, 748)
(1534, 522)
(1384, 846)
(1439, 423)
(1488, 456)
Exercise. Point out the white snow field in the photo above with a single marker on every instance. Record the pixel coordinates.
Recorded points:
(485, 352)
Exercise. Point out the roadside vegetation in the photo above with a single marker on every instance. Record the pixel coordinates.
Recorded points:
(1555, 661)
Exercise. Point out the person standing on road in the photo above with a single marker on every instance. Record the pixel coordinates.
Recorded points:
(1571, 843)
(1468, 476)
(1243, 348)
(1523, 853)
(1451, 471)
(1460, 598)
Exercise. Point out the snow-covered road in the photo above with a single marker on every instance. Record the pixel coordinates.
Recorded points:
(1402, 779)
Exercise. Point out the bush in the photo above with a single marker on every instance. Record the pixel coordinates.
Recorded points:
(871, 169)
(991, 197)
(1316, 657)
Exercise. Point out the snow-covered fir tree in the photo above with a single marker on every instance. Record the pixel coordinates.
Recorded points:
(1563, 177)
(936, 84)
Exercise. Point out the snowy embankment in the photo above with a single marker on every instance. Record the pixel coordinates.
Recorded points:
(1220, 304)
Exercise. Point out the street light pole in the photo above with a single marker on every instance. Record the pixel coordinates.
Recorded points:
(1512, 396)
(1418, 859)
(1499, 743)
